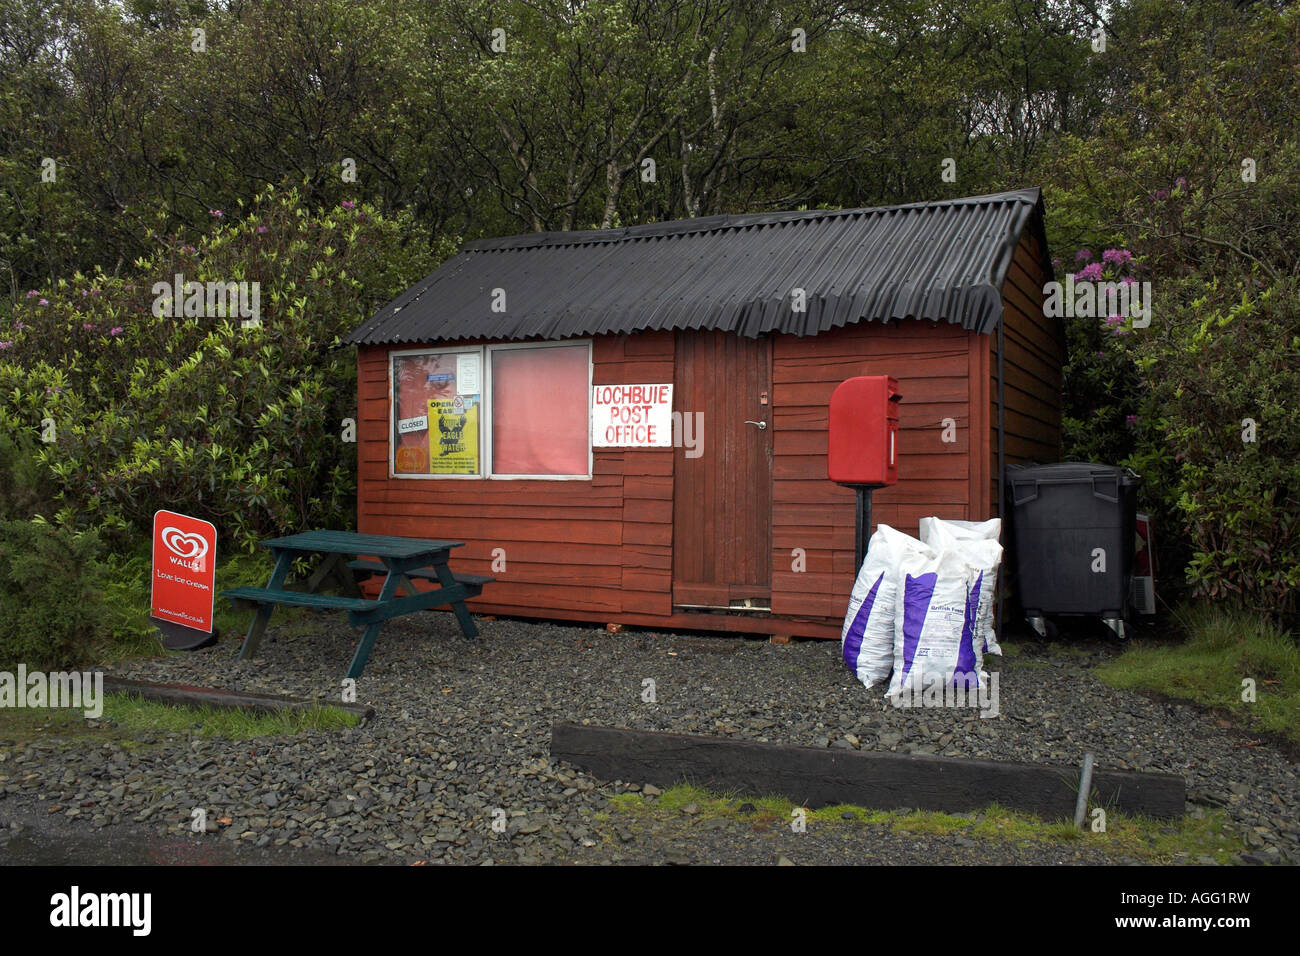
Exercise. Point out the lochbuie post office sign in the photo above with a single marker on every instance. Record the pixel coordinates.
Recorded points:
(632, 416)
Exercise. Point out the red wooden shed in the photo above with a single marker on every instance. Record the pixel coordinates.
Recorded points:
(480, 419)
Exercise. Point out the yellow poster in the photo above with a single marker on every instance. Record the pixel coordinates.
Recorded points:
(453, 436)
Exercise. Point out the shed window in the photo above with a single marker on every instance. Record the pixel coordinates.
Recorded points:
(540, 411)
(511, 411)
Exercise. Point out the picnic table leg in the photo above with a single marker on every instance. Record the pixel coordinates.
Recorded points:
(448, 580)
(334, 566)
(262, 616)
(372, 630)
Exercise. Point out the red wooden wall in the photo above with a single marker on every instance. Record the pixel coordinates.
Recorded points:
(601, 550)
(600, 547)
(936, 366)
(1035, 350)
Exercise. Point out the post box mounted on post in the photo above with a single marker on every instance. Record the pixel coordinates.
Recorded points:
(862, 451)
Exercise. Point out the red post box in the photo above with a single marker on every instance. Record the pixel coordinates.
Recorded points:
(863, 447)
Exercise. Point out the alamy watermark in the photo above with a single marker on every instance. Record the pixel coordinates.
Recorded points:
(79, 909)
(974, 689)
(75, 690)
(211, 300)
(1093, 299)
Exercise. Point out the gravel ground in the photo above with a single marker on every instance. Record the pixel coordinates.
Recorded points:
(463, 728)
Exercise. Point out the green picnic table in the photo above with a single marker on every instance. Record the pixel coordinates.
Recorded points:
(399, 559)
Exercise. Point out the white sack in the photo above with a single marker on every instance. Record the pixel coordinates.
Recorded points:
(934, 623)
(977, 543)
(970, 530)
(867, 640)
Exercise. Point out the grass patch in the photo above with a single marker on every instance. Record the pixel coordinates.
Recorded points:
(136, 714)
(125, 716)
(1223, 648)
(1155, 841)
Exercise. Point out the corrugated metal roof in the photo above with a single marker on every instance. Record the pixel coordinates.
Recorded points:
(943, 261)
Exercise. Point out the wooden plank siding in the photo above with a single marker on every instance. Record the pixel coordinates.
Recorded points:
(1033, 366)
(932, 363)
(601, 547)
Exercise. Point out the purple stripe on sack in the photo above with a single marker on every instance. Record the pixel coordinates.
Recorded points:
(916, 596)
(966, 648)
(993, 587)
(853, 640)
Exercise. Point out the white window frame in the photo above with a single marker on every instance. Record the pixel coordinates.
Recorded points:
(485, 409)
(489, 463)
(392, 424)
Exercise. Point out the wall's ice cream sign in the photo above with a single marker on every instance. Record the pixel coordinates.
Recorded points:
(184, 570)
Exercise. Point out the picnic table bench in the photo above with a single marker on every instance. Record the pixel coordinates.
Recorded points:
(400, 560)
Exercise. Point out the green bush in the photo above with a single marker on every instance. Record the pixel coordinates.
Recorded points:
(25, 486)
(52, 610)
(240, 426)
(1102, 386)
(1223, 388)
(1165, 174)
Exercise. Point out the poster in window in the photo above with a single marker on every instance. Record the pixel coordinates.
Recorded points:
(453, 435)
(418, 380)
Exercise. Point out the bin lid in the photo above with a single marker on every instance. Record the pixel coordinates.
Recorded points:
(1068, 471)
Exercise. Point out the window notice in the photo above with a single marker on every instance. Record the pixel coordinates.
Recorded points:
(467, 374)
(408, 425)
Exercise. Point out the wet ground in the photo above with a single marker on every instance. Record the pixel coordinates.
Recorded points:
(455, 767)
(36, 842)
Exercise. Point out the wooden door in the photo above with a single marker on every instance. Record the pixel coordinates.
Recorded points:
(722, 497)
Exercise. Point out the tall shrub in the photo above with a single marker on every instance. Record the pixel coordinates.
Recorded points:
(242, 426)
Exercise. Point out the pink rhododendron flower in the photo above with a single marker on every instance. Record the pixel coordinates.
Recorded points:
(43, 302)
(1083, 255)
(1117, 256)
(116, 330)
(215, 212)
(1089, 273)
(5, 345)
(349, 204)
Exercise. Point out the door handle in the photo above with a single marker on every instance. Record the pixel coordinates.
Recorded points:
(761, 425)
